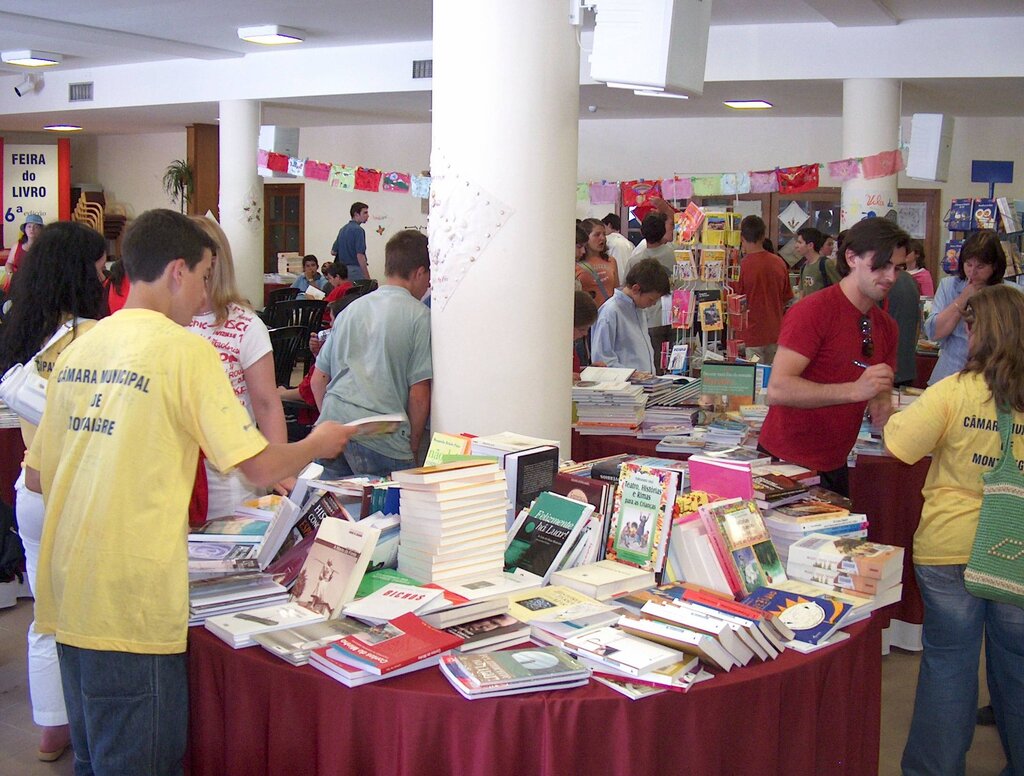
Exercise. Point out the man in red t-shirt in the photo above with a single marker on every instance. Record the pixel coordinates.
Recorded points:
(764, 278)
(837, 352)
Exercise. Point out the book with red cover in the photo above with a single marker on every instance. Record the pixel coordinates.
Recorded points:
(393, 645)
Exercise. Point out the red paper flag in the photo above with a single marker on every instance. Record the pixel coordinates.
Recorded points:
(793, 180)
(638, 192)
(368, 179)
(277, 162)
(882, 165)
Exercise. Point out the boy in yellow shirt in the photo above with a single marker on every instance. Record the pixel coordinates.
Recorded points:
(129, 405)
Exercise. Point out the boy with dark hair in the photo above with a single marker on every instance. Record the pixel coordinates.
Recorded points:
(836, 356)
(816, 270)
(350, 245)
(619, 247)
(764, 279)
(619, 337)
(378, 361)
(129, 406)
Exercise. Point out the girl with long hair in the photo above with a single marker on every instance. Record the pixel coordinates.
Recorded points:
(60, 281)
(596, 271)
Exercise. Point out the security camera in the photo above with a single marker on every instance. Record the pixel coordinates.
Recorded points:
(28, 84)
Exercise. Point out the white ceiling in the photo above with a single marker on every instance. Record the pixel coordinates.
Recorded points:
(99, 33)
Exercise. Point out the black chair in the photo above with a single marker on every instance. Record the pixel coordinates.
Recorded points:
(366, 286)
(346, 299)
(274, 298)
(308, 313)
(286, 342)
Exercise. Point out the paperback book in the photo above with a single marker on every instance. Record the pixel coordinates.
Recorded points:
(403, 641)
(542, 535)
(644, 500)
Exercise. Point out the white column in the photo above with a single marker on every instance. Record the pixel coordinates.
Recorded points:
(871, 124)
(241, 193)
(505, 124)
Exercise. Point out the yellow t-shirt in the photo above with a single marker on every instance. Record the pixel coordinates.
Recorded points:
(44, 365)
(128, 406)
(955, 421)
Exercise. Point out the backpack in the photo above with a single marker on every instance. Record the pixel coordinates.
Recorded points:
(12, 554)
(826, 281)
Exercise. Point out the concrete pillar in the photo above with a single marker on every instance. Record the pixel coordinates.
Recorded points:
(505, 137)
(871, 124)
(241, 193)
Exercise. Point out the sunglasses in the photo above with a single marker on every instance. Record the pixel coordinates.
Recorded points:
(867, 344)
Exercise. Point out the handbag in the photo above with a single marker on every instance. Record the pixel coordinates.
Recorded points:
(23, 389)
(995, 570)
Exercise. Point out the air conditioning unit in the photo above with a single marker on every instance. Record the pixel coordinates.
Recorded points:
(652, 45)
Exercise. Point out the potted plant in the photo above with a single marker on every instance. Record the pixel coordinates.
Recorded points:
(179, 182)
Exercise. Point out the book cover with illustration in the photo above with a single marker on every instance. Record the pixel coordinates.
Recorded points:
(541, 535)
(685, 267)
(710, 316)
(739, 534)
(642, 515)
(687, 223)
(811, 618)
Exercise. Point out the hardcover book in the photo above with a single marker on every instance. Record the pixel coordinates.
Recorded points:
(395, 644)
(542, 535)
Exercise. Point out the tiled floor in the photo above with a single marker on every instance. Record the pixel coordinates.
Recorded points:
(19, 738)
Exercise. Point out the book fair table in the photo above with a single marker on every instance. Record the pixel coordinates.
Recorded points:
(252, 713)
(886, 490)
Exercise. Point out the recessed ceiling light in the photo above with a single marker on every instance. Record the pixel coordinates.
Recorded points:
(653, 93)
(271, 34)
(30, 58)
(62, 128)
(748, 104)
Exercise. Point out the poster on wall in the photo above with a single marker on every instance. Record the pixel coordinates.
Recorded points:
(30, 185)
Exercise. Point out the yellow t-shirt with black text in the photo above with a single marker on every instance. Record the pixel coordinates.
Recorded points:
(128, 406)
(955, 421)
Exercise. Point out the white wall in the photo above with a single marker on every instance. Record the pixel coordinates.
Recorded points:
(401, 147)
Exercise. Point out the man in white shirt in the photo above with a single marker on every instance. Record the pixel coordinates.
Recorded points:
(619, 247)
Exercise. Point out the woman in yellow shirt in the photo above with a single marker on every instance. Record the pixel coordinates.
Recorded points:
(60, 281)
(955, 421)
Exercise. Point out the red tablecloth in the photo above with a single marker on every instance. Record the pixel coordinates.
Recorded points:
(925, 364)
(886, 490)
(12, 451)
(252, 713)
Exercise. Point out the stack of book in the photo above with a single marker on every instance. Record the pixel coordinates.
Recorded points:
(231, 593)
(692, 443)
(495, 632)
(853, 565)
(510, 672)
(608, 408)
(660, 422)
(776, 490)
(453, 521)
(672, 391)
(393, 600)
(790, 523)
(294, 645)
(604, 579)
(328, 579)
(246, 541)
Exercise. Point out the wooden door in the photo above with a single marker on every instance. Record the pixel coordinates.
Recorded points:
(284, 204)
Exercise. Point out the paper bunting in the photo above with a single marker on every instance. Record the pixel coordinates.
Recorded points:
(763, 182)
(582, 192)
(638, 192)
(463, 220)
(342, 177)
(277, 162)
(677, 188)
(844, 169)
(262, 155)
(882, 165)
(604, 193)
(794, 180)
(296, 166)
(397, 182)
(707, 185)
(368, 179)
(317, 171)
(420, 186)
(735, 183)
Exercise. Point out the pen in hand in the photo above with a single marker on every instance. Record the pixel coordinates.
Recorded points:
(861, 364)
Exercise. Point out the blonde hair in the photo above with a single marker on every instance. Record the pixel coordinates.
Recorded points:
(997, 343)
(222, 290)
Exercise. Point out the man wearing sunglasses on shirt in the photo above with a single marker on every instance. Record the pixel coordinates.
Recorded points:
(837, 352)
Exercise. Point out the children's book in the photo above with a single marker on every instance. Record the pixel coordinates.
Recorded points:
(710, 316)
(712, 265)
(985, 214)
(961, 215)
(642, 516)
(687, 223)
(685, 268)
(744, 547)
(811, 618)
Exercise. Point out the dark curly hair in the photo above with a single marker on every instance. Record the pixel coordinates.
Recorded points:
(57, 278)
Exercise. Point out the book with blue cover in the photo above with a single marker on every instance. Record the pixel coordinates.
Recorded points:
(811, 618)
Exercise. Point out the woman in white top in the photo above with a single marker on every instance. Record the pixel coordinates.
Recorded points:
(60, 282)
(243, 343)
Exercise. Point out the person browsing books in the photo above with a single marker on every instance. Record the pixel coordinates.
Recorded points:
(378, 361)
(982, 263)
(764, 279)
(311, 275)
(836, 355)
(596, 272)
(956, 422)
(584, 313)
(227, 322)
(657, 231)
(619, 338)
(129, 406)
(59, 290)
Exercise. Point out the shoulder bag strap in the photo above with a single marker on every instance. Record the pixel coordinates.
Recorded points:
(597, 280)
(1006, 460)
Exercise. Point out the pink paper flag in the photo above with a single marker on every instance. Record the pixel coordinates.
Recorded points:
(677, 188)
(882, 165)
(844, 169)
(317, 171)
(763, 182)
(262, 157)
(604, 193)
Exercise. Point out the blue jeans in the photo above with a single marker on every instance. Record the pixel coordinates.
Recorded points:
(357, 459)
(128, 712)
(947, 686)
